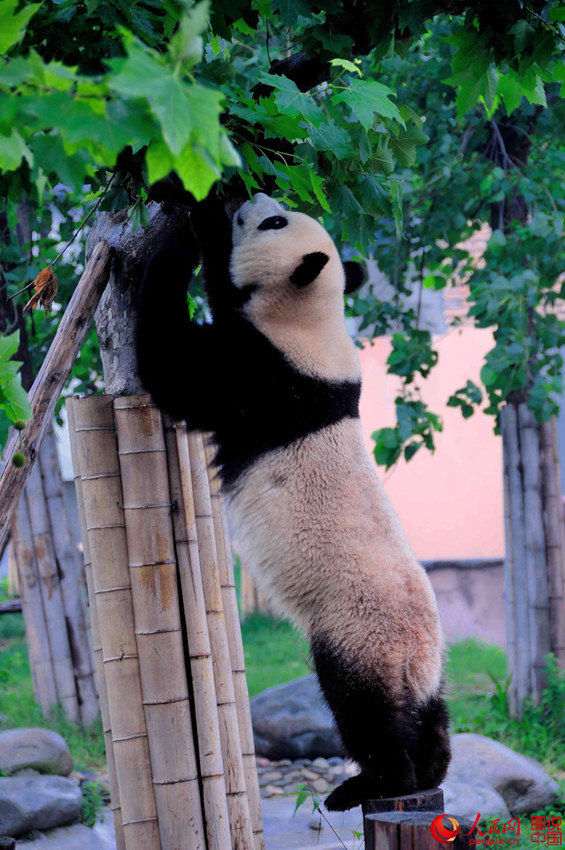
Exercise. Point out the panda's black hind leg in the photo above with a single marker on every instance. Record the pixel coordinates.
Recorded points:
(432, 752)
(375, 732)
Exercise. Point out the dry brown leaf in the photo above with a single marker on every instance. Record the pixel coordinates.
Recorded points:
(45, 284)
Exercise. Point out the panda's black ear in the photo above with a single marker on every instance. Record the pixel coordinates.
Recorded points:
(355, 276)
(309, 269)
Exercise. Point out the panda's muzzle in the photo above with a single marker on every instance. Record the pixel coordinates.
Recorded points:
(273, 222)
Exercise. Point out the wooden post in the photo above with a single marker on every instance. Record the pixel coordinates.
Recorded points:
(422, 801)
(238, 801)
(39, 649)
(96, 640)
(555, 550)
(235, 644)
(201, 666)
(103, 509)
(50, 585)
(536, 566)
(152, 562)
(71, 581)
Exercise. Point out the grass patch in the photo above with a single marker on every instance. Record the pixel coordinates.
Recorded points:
(275, 653)
(18, 707)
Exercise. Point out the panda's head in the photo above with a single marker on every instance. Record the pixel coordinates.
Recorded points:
(283, 260)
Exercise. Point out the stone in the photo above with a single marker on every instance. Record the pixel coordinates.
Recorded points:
(320, 785)
(320, 762)
(316, 823)
(521, 781)
(466, 799)
(37, 802)
(292, 721)
(309, 774)
(262, 762)
(38, 749)
(335, 760)
(270, 776)
(273, 789)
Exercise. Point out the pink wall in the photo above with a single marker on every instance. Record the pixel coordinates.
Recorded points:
(450, 503)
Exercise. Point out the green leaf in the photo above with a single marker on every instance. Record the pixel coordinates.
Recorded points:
(196, 173)
(12, 150)
(14, 399)
(510, 91)
(186, 45)
(291, 100)
(367, 100)
(12, 24)
(8, 346)
(403, 146)
(349, 66)
(141, 75)
(330, 137)
(159, 161)
(557, 13)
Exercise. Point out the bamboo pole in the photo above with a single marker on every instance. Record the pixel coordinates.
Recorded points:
(538, 590)
(509, 568)
(103, 500)
(553, 517)
(50, 381)
(204, 694)
(235, 644)
(70, 572)
(96, 640)
(152, 562)
(520, 683)
(50, 584)
(37, 637)
(238, 802)
(13, 576)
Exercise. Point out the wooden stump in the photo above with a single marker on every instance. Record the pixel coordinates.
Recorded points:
(404, 830)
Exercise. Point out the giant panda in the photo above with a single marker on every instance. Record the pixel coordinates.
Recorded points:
(276, 379)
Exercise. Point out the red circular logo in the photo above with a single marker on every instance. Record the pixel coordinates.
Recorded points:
(444, 828)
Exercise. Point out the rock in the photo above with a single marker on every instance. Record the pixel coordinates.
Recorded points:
(37, 802)
(292, 721)
(466, 799)
(521, 781)
(320, 762)
(316, 823)
(320, 786)
(310, 775)
(38, 749)
(273, 789)
(270, 776)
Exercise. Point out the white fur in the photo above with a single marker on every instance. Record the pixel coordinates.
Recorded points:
(312, 520)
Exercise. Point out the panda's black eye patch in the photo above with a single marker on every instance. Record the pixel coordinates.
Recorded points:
(274, 222)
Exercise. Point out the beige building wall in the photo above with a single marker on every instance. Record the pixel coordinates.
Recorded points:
(450, 503)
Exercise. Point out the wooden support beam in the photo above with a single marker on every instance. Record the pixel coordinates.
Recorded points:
(50, 381)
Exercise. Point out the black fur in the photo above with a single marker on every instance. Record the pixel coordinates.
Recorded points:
(355, 276)
(309, 269)
(201, 373)
(401, 748)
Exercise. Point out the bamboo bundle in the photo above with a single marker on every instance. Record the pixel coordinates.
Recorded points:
(538, 590)
(102, 500)
(235, 643)
(554, 536)
(49, 581)
(152, 562)
(204, 693)
(70, 572)
(517, 617)
(39, 650)
(96, 641)
(238, 802)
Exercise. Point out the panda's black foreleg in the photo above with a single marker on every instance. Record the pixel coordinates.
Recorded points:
(178, 360)
(376, 733)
